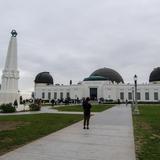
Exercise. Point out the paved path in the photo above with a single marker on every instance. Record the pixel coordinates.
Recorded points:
(110, 137)
(46, 109)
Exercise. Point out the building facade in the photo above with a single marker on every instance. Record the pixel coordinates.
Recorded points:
(104, 83)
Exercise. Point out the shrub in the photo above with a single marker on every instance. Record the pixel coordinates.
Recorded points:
(7, 108)
(34, 107)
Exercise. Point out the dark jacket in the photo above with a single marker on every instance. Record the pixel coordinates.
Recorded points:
(86, 107)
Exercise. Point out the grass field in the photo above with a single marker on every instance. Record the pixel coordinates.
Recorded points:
(78, 108)
(18, 130)
(147, 132)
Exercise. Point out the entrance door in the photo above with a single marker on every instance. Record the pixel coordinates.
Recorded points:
(93, 93)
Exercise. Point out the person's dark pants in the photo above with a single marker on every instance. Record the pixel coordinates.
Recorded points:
(86, 120)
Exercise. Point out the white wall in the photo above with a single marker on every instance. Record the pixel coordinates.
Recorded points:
(105, 89)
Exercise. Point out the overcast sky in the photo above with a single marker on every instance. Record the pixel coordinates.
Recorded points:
(73, 38)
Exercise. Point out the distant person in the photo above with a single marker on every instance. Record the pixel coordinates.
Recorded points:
(119, 102)
(126, 102)
(15, 104)
(52, 102)
(87, 110)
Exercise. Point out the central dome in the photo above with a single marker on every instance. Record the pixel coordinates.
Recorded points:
(108, 74)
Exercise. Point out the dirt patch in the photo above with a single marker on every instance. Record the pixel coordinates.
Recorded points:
(144, 125)
(11, 125)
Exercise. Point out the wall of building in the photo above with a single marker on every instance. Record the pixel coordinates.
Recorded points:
(105, 89)
(58, 92)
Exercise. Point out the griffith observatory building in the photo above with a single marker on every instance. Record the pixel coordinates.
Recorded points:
(103, 83)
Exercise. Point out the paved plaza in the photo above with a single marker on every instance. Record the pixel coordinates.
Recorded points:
(110, 137)
(44, 109)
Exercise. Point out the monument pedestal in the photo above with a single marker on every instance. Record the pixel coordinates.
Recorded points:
(8, 97)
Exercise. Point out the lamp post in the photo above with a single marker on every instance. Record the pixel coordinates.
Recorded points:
(132, 98)
(136, 110)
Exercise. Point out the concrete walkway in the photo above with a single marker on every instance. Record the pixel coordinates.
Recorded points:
(110, 137)
(46, 109)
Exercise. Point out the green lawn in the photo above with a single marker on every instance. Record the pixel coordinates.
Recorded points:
(147, 132)
(17, 130)
(78, 108)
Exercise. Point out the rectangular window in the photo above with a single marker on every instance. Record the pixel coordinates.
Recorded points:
(55, 95)
(49, 95)
(122, 95)
(146, 95)
(155, 95)
(61, 95)
(67, 95)
(43, 95)
(138, 96)
(129, 95)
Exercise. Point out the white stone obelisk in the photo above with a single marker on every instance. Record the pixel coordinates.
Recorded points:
(9, 87)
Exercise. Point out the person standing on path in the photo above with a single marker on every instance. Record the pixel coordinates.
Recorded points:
(86, 110)
(126, 102)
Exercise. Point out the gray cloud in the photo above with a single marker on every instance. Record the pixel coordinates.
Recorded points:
(71, 39)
